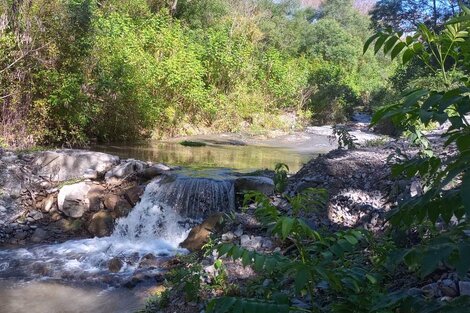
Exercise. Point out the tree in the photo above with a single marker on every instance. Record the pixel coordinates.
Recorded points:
(405, 15)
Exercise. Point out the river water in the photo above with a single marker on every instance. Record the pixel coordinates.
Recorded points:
(73, 277)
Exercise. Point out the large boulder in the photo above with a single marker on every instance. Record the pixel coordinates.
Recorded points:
(199, 235)
(101, 224)
(255, 183)
(73, 201)
(63, 165)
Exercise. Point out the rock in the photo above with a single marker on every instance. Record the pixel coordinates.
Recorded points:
(76, 199)
(255, 183)
(48, 203)
(449, 288)
(199, 235)
(101, 224)
(95, 196)
(115, 265)
(228, 236)
(432, 290)
(63, 165)
(40, 268)
(39, 235)
(2, 209)
(124, 170)
(20, 235)
(251, 243)
(153, 171)
(120, 207)
(36, 215)
(149, 261)
(73, 200)
(464, 287)
(133, 194)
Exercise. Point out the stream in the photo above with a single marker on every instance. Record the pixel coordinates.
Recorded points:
(75, 277)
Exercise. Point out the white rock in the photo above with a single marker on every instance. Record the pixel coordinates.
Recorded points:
(72, 199)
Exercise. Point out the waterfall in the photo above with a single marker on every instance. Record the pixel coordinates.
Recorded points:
(156, 225)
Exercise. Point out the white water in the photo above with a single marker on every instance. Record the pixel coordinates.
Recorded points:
(149, 228)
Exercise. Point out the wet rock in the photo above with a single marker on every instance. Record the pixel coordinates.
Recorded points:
(101, 224)
(154, 171)
(133, 194)
(120, 207)
(464, 287)
(199, 235)
(73, 199)
(255, 183)
(124, 170)
(115, 265)
(40, 268)
(62, 165)
(95, 196)
(20, 235)
(150, 261)
(39, 235)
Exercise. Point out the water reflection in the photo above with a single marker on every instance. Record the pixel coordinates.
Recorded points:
(212, 155)
(42, 297)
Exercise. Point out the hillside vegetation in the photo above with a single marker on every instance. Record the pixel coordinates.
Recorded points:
(113, 70)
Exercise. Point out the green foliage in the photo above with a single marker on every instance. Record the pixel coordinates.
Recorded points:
(344, 138)
(281, 172)
(316, 261)
(121, 70)
(446, 181)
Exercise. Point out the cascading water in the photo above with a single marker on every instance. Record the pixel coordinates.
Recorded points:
(154, 226)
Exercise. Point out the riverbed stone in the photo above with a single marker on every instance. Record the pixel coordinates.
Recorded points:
(101, 224)
(261, 184)
(124, 170)
(134, 194)
(115, 265)
(67, 164)
(73, 200)
(199, 234)
(39, 235)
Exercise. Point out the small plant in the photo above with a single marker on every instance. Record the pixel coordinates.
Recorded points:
(344, 138)
(281, 172)
(187, 278)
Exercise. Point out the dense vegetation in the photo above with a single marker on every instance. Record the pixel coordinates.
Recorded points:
(354, 270)
(80, 70)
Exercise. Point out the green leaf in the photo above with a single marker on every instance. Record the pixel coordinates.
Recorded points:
(397, 49)
(369, 41)
(287, 224)
(465, 192)
(407, 55)
(351, 239)
(301, 278)
(380, 41)
(390, 43)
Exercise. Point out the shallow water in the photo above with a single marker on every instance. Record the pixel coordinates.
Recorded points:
(220, 154)
(54, 297)
(74, 276)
